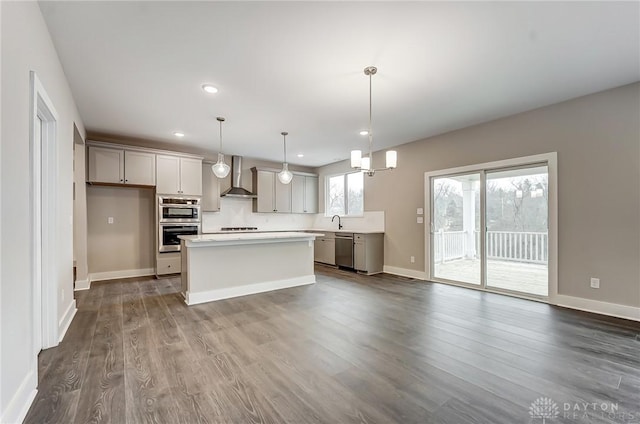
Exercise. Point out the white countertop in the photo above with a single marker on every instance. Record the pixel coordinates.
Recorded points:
(314, 230)
(239, 237)
(345, 230)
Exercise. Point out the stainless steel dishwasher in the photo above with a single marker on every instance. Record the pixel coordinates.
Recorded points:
(344, 249)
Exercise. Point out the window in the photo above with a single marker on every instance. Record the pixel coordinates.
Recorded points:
(344, 194)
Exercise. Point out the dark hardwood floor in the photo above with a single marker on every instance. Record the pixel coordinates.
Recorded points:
(349, 349)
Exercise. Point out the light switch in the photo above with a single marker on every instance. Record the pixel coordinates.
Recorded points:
(420, 220)
(110, 220)
(420, 211)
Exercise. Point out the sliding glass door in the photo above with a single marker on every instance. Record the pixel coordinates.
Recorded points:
(489, 229)
(456, 228)
(517, 236)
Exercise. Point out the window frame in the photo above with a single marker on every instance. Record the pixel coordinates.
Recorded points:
(345, 177)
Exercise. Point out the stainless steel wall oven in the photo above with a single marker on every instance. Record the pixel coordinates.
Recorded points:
(177, 216)
(168, 233)
(178, 209)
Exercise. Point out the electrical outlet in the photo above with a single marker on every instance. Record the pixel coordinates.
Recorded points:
(110, 220)
(413, 259)
(420, 220)
(595, 283)
(419, 211)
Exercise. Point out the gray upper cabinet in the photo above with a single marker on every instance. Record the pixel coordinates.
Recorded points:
(297, 194)
(191, 176)
(139, 168)
(300, 196)
(178, 175)
(272, 195)
(210, 189)
(282, 195)
(304, 194)
(120, 166)
(106, 165)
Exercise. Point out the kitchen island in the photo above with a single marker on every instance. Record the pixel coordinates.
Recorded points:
(221, 266)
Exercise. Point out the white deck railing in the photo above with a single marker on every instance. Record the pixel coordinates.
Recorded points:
(450, 245)
(518, 246)
(501, 245)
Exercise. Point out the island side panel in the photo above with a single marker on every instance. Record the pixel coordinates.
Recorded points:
(224, 271)
(184, 269)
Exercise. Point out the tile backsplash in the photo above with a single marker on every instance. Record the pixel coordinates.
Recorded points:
(236, 212)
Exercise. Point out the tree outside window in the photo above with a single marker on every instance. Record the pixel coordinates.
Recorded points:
(345, 194)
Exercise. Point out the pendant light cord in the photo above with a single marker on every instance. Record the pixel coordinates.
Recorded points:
(370, 134)
(220, 151)
(284, 136)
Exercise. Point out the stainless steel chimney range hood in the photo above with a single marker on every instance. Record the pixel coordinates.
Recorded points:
(236, 189)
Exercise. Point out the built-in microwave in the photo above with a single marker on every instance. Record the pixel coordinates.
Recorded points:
(178, 209)
(168, 234)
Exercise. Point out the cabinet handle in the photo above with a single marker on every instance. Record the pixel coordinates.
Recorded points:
(121, 180)
(126, 181)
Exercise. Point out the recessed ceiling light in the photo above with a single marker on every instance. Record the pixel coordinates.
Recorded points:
(178, 134)
(300, 155)
(364, 132)
(209, 88)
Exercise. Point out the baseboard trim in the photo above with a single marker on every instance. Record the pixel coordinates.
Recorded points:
(125, 273)
(65, 322)
(82, 285)
(404, 272)
(19, 405)
(598, 307)
(226, 293)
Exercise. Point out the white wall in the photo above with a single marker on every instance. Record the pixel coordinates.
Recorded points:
(27, 46)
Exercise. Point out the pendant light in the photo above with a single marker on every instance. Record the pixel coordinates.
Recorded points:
(285, 176)
(220, 169)
(365, 164)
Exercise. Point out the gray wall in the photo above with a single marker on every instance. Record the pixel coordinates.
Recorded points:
(597, 138)
(129, 242)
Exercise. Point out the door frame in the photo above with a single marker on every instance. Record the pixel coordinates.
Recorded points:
(551, 159)
(43, 237)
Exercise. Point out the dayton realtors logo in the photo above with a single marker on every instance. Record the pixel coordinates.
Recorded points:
(545, 409)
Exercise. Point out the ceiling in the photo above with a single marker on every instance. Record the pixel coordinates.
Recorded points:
(136, 68)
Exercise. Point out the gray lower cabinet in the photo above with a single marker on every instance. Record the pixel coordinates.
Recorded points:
(325, 249)
(168, 263)
(368, 253)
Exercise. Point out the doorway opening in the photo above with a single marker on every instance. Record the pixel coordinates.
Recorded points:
(43, 147)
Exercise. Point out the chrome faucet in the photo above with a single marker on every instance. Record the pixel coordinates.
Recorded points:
(339, 224)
